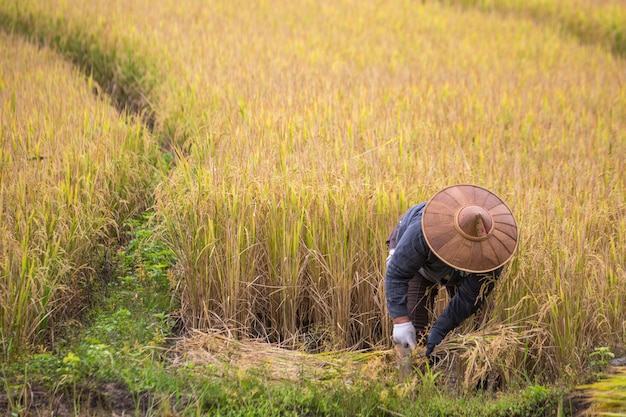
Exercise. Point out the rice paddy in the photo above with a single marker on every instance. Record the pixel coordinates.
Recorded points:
(299, 133)
(71, 170)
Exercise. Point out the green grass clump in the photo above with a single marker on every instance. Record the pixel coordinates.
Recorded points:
(118, 353)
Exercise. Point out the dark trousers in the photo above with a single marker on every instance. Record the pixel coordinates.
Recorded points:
(420, 303)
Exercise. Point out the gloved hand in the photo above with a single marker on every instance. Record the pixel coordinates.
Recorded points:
(432, 360)
(429, 349)
(404, 335)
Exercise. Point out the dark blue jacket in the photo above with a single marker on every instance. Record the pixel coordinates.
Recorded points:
(412, 255)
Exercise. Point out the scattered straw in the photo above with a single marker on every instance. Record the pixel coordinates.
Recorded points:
(276, 363)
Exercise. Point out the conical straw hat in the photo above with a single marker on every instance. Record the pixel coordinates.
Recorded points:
(470, 228)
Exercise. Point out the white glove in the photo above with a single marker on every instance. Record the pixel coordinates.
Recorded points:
(404, 335)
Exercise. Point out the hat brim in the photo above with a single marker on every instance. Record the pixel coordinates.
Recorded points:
(444, 239)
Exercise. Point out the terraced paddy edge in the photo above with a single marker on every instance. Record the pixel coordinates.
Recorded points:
(113, 63)
(295, 182)
(608, 395)
(600, 23)
(71, 171)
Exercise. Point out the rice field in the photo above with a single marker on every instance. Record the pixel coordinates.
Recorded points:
(71, 171)
(302, 131)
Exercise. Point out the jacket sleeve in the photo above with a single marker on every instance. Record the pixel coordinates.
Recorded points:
(409, 256)
(469, 296)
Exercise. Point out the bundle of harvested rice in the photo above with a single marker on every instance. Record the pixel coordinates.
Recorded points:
(490, 358)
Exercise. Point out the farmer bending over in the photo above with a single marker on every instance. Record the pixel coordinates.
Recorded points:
(460, 239)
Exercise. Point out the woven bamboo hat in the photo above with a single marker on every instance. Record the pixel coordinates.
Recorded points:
(470, 228)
